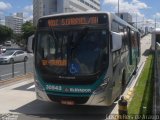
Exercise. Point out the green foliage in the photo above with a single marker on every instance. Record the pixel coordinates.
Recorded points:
(18, 38)
(141, 103)
(5, 33)
(28, 29)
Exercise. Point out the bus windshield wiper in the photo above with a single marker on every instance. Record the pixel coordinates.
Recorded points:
(61, 44)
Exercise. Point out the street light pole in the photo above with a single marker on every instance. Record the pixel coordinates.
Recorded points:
(118, 7)
(155, 23)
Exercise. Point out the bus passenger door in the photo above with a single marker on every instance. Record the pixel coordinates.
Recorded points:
(116, 56)
(134, 47)
(129, 62)
(116, 63)
(133, 52)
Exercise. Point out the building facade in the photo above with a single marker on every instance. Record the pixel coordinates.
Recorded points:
(125, 16)
(14, 22)
(19, 14)
(47, 7)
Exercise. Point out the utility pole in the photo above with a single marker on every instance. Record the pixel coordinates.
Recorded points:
(136, 20)
(155, 23)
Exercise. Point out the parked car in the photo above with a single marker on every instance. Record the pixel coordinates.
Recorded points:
(11, 56)
(8, 43)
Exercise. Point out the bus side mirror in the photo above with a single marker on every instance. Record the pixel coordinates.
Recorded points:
(116, 41)
(30, 44)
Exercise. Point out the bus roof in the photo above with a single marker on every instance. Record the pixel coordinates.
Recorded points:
(75, 13)
(112, 16)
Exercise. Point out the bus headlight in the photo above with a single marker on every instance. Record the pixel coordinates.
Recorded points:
(102, 87)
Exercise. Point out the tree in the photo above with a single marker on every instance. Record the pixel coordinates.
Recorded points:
(5, 33)
(28, 29)
(17, 38)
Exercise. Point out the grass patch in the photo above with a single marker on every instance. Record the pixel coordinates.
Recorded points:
(141, 103)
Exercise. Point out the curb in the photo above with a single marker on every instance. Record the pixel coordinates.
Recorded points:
(130, 92)
(15, 79)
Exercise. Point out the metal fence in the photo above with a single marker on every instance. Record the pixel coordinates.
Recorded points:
(8, 71)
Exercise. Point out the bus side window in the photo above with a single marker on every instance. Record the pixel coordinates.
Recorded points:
(116, 54)
(129, 35)
(117, 27)
(125, 40)
(114, 26)
(133, 39)
(116, 57)
(138, 41)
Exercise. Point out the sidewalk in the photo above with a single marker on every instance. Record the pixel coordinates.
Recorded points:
(15, 80)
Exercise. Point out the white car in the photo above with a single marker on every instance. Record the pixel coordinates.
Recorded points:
(11, 56)
(8, 43)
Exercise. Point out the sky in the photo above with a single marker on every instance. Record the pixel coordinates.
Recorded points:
(11, 7)
(144, 10)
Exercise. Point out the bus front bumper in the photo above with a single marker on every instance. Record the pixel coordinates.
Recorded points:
(100, 99)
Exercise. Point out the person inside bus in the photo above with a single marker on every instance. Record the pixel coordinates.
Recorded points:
(87, 53)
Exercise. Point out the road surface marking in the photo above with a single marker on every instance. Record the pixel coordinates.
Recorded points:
(10, 74)
(33, 86)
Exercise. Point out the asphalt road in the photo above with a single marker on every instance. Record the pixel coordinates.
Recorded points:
(6, 70)
(20, 99)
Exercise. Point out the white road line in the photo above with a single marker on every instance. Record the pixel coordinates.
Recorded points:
(10, 74)
(33, 86)
(22, 63)
(18, 63)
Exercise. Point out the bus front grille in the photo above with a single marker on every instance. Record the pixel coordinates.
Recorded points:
(77, 100)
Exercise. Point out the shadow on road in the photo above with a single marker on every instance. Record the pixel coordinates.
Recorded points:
(147, 52)
(47, 110)
(26, 87)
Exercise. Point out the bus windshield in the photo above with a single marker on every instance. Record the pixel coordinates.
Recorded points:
(72, 52)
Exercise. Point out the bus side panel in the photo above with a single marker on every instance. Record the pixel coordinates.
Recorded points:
(133, 57)
(135, 49)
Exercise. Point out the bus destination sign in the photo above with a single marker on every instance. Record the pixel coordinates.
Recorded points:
(76, 20)
(73, 21)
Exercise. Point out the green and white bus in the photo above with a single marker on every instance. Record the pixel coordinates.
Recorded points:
(84, 58)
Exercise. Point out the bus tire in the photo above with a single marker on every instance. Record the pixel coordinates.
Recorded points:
(122, 86)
